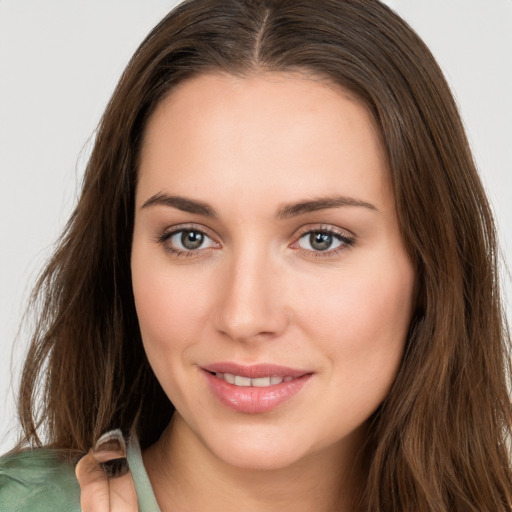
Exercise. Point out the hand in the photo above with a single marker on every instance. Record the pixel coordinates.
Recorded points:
(106, 484)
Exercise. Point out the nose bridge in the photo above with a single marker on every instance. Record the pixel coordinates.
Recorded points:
(251, 305)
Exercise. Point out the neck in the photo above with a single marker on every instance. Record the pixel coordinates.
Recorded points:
(186, 476)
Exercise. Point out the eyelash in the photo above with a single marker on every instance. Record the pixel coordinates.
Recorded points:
(167, 235)
(346, 242)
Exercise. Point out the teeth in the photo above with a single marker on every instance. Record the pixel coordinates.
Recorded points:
(228, 378)
(260, 382)
(242, 381)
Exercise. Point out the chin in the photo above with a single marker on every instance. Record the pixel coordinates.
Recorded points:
(262, 447)
(259, 456)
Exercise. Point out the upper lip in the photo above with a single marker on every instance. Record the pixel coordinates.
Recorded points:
(255, 371)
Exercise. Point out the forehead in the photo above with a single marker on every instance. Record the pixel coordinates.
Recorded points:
(275, 133)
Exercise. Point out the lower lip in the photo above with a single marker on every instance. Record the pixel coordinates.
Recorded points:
(251, 399)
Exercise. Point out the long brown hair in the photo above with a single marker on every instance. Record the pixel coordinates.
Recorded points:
(439, 440)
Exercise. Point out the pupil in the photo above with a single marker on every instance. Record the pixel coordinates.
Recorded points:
(191, 239)
(320, 241)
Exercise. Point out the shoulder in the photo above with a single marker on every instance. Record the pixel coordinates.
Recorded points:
(39, 480)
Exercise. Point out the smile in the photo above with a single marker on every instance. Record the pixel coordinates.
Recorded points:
(260, 382)
(254, 389)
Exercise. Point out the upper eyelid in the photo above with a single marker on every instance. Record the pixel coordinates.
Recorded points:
(172, 230)
(325, 228)
(299, 233)
(165, 237)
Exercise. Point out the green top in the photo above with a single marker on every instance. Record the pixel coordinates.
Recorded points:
(39, 480)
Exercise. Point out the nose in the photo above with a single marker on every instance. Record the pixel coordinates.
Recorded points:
(251, 303)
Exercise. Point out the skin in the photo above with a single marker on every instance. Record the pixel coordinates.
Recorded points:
(257, 291)
(99, 493)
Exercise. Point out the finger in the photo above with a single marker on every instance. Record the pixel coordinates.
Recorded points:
(106, 485)
(110, 453)
(94, 485)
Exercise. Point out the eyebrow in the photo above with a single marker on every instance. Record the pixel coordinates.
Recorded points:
(285, 211)
(181, 203)
(322, 203)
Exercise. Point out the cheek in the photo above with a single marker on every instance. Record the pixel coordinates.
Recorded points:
(360, 320)
(171, 308)
(172, 316)
(353, 304)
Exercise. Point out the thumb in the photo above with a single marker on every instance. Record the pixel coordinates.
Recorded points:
(106, 484)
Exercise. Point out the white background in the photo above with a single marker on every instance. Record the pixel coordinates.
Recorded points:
(59, 63)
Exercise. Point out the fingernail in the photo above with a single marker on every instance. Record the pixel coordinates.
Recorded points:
(112, 443)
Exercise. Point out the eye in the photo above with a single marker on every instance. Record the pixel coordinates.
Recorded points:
(187, 240)
(323, 241)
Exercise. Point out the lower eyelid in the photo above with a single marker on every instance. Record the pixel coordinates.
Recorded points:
(344, 240)
(175, 250)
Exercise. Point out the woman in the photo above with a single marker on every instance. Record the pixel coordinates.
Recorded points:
(279, 282)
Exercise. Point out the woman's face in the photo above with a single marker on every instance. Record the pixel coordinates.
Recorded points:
(272, 286)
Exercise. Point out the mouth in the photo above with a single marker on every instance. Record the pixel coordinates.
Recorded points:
(260, 382)
(256, 388)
